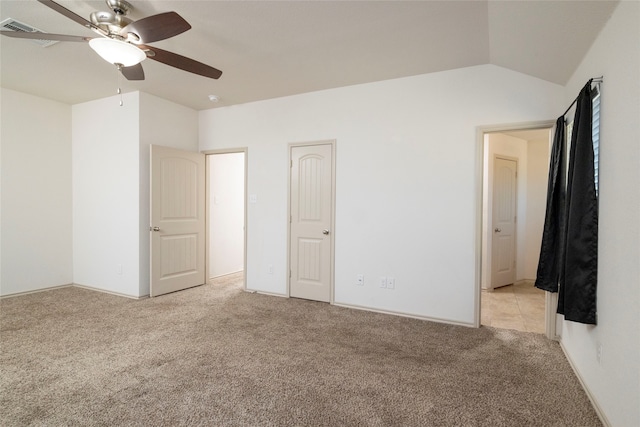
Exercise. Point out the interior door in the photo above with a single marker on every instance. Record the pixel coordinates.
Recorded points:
(503, 256)
(311, 192)
(177, 220)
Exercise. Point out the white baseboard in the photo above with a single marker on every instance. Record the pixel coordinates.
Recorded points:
(75, 285)
(591, 397)
(36, 291)
(375, 310)
(104, 291)
(402, 314)
(527, 282)
(226, 274)
(271, 294)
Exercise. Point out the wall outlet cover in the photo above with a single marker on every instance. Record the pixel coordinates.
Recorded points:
(391, 283)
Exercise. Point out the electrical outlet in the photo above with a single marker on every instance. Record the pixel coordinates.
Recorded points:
(391, 283)
(360, 280)
(270, 269)
(599, 353)
(383, 282)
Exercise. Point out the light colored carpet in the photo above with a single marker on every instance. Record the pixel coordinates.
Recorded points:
(215, 355)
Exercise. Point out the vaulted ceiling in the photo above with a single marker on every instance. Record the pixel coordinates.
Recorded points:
(269, 49)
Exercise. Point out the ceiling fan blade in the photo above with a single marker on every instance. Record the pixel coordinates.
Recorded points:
(157, 27)
(69, 14)
(182, 62)
(135, 72)
(44, 36)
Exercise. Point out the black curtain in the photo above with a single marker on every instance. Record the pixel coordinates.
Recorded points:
(551, 251)
(569, 249)
(578, 279)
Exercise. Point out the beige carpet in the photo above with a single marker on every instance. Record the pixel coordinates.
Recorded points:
(215, 355)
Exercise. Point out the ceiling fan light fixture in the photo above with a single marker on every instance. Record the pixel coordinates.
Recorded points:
(117, 52)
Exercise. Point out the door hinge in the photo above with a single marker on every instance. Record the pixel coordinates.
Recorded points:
(291, 164)
(289, 274)
(290, 219)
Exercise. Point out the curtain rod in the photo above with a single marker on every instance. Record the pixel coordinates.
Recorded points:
(592, 80)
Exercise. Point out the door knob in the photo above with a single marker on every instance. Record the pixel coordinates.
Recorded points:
(325, 231)
(156, 228)
(497, 230)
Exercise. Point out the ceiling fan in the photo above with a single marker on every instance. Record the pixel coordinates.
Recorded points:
(124, 42)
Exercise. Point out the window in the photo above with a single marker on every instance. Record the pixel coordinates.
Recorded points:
(595, 134)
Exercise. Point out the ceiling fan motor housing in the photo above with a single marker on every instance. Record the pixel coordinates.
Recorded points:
(109, 18)
(119, 7)
(112, 21)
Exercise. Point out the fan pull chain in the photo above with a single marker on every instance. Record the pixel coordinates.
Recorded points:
(119, 82)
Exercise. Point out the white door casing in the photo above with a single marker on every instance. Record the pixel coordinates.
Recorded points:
(311, 222)
(503, 224)
(177, 220)
(481, 234)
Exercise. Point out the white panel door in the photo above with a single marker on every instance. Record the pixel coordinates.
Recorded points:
(503, 255)
(311, 222)
(177, 220)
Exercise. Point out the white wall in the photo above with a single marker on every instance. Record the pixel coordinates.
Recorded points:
(111, 185)
(35, 196)
(106, 214)
(226, 213)
(407, 177)
(161, 123)
(537, 176)
(615, 382)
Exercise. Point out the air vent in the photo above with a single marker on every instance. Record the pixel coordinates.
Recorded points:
(13, 25)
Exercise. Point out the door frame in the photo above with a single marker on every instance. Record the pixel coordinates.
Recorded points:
(207, 202)
(290, 146)
(488, 234)
(550, 298)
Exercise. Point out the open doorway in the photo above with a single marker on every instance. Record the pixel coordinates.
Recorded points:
(514, 183)
(226, 218)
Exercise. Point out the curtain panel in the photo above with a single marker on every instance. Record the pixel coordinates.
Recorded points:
(569, 253)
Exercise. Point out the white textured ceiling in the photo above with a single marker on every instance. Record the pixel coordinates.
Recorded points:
(268, 49)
